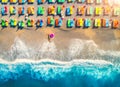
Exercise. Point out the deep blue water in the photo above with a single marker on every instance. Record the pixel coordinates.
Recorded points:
(53, 74)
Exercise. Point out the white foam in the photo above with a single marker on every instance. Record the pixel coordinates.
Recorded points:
(76, 61)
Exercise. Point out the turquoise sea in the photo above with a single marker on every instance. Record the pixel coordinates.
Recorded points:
(79, 73)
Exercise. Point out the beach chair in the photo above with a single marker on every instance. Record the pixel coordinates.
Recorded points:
(4, 10)
(60, 1)
(39, 23)
(13, 22)
(21, 24)
(21, 1)
(51, 1)
(40, 10)
(105, 23)
(97, 23)
(60, 10)
(51, 10)
(80, 1)
(69, 11)
(90, 11)
(50, 21)
(90, 1)
(70, 23)
(70, 1)
(30, 10)
(12, 10)
(40, 1)
(79, 22)
(116, 11)
(98, 11)
(13, 1)
(30, 22)
(58, 22)
(81, 10)
(87, 23)
(21, 11)
(30, 1)
(4, 1)
(115, 24)
(98, 1)
(105, 2)
(107, 10)
(4, 23)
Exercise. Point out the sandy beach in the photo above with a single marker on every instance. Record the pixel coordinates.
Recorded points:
(104, 38)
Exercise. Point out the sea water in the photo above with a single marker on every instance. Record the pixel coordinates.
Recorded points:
(77, 73)
(98, 68)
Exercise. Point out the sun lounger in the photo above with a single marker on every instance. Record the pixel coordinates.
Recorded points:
(80, 1)
(4, 10)
(4, 23)
(115, 24)
(21, 11)
(30, 1)
(90, 11)
(21, 24)
(105, 23)
(40, 10)
(4, 1)
(79, 22)
(13, 22)
(107, 11)
(12, 10)
(30, 10)
(21, 1)
(51, 1)
(58, 22)
(70, 23)
(116, 11)
(90, 1)
(98, 1)
(39, 23)
(69, 11)
(98, 11)
(50, 21)
(60, 1)
(51, 10)
(30, 22)
(13, 1)
(97, 23)
(81, 10)
(40, 1)
(87, 23)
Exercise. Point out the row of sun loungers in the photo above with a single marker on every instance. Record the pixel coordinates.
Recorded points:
(58, 22)
(54, 1)
(52, 10)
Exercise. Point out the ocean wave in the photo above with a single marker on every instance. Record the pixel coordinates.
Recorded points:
(77, 49)
(51, 69)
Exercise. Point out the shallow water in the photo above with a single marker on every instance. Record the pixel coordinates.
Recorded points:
(83, 64)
